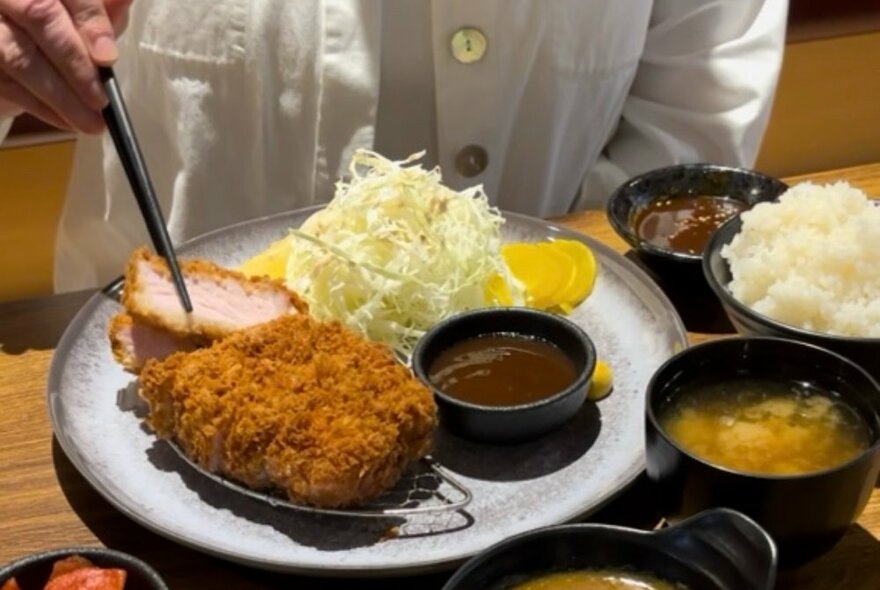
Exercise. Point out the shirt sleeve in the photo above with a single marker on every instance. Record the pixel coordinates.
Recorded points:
(8, 113)
(5, 125)
(702, 92)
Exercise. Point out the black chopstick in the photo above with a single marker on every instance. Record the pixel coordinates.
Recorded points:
(119, 125)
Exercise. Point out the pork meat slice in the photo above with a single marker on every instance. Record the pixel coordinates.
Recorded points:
(134, 343)
(223, 300)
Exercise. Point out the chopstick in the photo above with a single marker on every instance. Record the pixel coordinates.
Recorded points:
(119, 125)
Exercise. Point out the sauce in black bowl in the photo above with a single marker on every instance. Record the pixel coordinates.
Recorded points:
(502, 370)
(685, 223)
(679, 273)
(684, 189)
(514, 419)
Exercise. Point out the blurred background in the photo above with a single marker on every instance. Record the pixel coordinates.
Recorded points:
(826, 115)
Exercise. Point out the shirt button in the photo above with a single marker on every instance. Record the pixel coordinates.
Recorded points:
(471, 161)
(468, 45)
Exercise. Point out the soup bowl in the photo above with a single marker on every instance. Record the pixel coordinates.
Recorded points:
(804, 513)
(513, 423)
(864, 351)
(716, 550)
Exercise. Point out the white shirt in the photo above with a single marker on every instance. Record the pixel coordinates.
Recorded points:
(406, 115)
(250, 107)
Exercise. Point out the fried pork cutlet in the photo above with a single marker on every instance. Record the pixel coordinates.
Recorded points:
(309, 408)
(223, 300)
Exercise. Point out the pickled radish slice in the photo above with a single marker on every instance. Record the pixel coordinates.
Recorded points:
(556, 275)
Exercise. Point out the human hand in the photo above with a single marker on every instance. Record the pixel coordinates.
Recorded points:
(49, 53)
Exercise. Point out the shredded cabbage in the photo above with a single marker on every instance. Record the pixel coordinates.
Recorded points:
(396, 251)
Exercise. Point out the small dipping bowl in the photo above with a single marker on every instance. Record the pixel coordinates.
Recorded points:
(512, 423)
(716, 550)
(688, 180)
(31, 572)
(805, 513)
(864, 351)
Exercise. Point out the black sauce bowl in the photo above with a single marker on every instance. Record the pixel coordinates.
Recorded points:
(508, 423)
(747, 186)
(864, 351)
(716, 550)
(33, 571)
(805, 513)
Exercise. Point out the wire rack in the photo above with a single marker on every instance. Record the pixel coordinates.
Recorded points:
(426, 488)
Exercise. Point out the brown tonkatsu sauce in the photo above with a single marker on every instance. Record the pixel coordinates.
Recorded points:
(684, 223)
(502, 370)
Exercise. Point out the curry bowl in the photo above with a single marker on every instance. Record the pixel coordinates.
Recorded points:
(502, 422)
(716, 550)
(32, 571)
(673, 183)
(805, 511)
(863, 351)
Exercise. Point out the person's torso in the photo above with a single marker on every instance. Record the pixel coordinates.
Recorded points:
(246, 108)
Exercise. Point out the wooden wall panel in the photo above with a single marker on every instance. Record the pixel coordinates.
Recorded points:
(32, 186)
(827, 108)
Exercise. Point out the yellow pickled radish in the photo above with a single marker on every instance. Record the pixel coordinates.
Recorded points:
(571, 269)
(602, 382)
(271, 262)
(496, 292)
(543, 272)
(585, 277)
(556, 275)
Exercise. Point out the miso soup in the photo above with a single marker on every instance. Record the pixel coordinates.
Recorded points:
(765, 427)
(597, 580)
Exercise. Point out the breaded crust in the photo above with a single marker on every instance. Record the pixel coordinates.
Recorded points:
(121, 353)
(310, 408)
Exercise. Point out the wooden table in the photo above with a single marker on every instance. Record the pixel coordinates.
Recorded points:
(45, 503)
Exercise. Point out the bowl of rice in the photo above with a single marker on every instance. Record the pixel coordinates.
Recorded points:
(804, 267)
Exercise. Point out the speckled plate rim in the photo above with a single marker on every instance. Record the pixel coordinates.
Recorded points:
(74, 329)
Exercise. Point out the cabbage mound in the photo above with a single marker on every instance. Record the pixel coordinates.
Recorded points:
(396, 251)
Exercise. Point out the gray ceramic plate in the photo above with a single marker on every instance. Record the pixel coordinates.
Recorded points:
(559, 478)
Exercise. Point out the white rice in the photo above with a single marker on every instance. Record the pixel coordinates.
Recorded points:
(811, 260)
